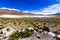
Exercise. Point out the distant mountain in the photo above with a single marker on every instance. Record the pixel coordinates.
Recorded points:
(57, 14)
(6, 11)
(19, 12)
(15, 12)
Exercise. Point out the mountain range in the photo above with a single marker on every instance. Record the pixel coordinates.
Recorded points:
(18, 12)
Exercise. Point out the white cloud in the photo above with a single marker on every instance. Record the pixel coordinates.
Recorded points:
(10, 9)
(52, 9)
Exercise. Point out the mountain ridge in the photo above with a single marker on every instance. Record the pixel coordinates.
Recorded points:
(11, 11)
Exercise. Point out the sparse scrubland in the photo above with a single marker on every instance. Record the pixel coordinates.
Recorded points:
(46, 24)
(29, 22)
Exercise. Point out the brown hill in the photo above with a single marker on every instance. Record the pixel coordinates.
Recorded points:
(12, 12)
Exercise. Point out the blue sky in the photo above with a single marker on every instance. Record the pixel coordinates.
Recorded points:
(34, 6)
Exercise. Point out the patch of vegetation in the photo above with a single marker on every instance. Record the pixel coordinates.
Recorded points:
(45, 28)
(22, 34)
(57, 32)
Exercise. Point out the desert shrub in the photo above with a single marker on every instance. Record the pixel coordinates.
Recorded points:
(17, 35)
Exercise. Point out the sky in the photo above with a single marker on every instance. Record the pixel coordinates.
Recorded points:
(33, 6)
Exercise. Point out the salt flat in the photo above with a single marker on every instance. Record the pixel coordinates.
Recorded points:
(21, 16)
